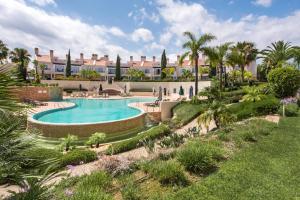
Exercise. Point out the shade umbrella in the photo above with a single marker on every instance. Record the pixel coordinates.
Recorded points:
(160, 93)
(100, 89)
(191, 94)
(125, 89)
(181, 92)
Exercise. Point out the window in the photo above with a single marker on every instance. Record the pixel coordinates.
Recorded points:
(100, 69)
(59, 68)
(111, 71)
(74, 69)
(147, 71)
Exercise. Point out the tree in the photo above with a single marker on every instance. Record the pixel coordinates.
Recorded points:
(21, 57)
(96, 139)
(89, 74)
(69, 142)
(135, 74)
(163, 64)
(217, 112)
(68, 66)
(296, 56)
(3, 51)
(43, 67)
(284, 81)
(187, 74)
(218, 56)
(169, 71)
(118, 68)
(277, 54)
(248, 53)
(194, 48)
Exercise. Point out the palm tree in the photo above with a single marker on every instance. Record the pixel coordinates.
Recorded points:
(296, 56)
(194, 48)
(22, 58)
(68, 142)
(277, 54)
(248, 53)
(218, 56)
(3, 51)
(43, 67)
(96, 139)
(234, 58)
(217, 112)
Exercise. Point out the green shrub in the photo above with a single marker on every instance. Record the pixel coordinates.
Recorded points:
(75, 157)
(245, 110)
(39, 156)
(166, 172)
(96, 179)
(199, 157)
(130, 190)
(290, 110)
(126, 145)
(284, 81)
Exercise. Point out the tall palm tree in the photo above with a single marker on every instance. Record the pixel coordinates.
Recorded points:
(234, 58)
(3, 51)
(195, 47)
(218, 55)
(248, 53)
(22, 58)
(43, 67)
(296, 56)
(277, 54)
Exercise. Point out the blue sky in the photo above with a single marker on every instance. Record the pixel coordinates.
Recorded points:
(140, 27)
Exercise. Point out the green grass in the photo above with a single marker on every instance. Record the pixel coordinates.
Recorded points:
(186, 112)
(267, 169)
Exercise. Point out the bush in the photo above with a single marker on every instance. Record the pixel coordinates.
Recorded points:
(126, 145)
(284, 81)
(38, 156)
(290, 110)
(245, 110)
(166, 172)
(77, 156)
(130, 191)
(199, 157)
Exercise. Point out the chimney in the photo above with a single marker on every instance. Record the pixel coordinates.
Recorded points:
(36, 51)
(51, 55)
(81, 56)
(94, 56)
(131, 58)
(178, 58)
(143, 58)
(106, 57)
(154, 59)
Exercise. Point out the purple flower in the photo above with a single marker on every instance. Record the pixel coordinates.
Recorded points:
(70, 167)
(288, 100)
(69, 192)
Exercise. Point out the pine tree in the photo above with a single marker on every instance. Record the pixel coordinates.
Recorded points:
(68, 67)
(118, 69)
(163, 64)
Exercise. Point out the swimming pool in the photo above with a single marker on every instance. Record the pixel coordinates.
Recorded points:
(88, 111)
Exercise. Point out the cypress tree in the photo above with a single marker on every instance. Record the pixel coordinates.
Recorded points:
(68, 67)
(118, 69)
(163, 64)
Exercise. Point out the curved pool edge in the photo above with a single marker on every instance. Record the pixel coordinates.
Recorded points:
(111, 128)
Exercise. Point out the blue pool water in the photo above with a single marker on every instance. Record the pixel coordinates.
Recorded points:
(92, 111)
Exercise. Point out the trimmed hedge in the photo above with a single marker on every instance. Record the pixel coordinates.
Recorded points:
(233, 96)
(245, 109)
(132, 143)
(75, 157)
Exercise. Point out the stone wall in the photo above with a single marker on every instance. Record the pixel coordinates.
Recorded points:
(39, 93)
(85, 130)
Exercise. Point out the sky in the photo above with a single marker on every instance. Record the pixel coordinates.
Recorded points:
(143, 28)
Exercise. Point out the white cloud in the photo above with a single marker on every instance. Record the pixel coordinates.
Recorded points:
(29, 27)
(265, 3)
(142, 34)
(44, 2)
(165, 37)
(141, 15)
(155, 46)
(180, 16)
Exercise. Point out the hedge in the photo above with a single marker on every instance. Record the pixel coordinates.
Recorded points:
(245, 109)
(75, 157)
(132, 143)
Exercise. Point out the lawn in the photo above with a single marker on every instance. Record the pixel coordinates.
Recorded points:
(268, 169)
